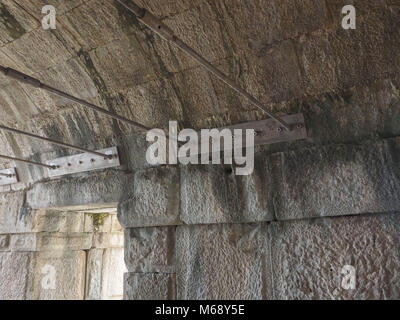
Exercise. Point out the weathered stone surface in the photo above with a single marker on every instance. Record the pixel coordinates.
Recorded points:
(35, 7)
(14, 217)
(222, 262)
(153, 199)
(149, 286)
(48, 241)
(94, 274)
(308, 256)
(294, 56)
(15, 22)
(75, 222)
(5, 242)
(108, 240)
(115, 225)
(213, 194)
(52, 221)
(25, 242)
(150, 249)
(103, 189)
(16, 275)
(339, 180)
(113, 274)
(105, 274)
(64, 241)
(69, 273)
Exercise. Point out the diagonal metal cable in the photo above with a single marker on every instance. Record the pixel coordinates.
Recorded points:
(166, 33)
(59, 143)
(28, 162)
(17, 75)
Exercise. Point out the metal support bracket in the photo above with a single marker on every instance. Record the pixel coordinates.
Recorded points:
(8, 176)
(265, 132)
(84, 162)
(269, 131)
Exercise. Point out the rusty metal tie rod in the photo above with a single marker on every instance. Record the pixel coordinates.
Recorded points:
(28, 162)
(17, 75)
(61, 144)
(166, 33)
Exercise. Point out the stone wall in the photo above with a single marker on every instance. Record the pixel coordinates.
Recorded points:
(195, 232)
(62, 255)
(259, 238)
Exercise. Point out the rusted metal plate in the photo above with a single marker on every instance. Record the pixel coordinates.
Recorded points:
(8, 176)
(83, 162)
(265, 132)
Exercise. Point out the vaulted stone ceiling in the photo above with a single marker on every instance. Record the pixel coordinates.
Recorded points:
(346, 82)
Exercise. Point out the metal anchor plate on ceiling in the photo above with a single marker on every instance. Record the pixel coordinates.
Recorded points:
(265, 132)
(269, 131)
(8, 176)
(84, 162)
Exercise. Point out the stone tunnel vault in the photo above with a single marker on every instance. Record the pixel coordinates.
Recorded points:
(199, 232)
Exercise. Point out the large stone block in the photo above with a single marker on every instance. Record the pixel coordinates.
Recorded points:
(16, 275)
(53, 221)
(96, 190)
(359, 113)
(35, 7)
(205, 35)
(308, 257)
(371, 35)
(149, 286)
(223, 262)
(60, 276)
(105, 273)
(213, 194)
(276, 20)
(38, 43)
(65, 241)
(113, 274)
(25, 242)
(13, 217)
(115, 225)
(108, 240)
(52, 242)
(339, 180)
(154, 200)
(94, 274)
(92, 24)
(150, 249)
(16, 22)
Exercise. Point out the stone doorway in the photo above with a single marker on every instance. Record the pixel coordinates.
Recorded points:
(72, 255)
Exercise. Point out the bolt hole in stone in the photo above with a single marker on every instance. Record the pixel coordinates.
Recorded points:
(229, 170)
